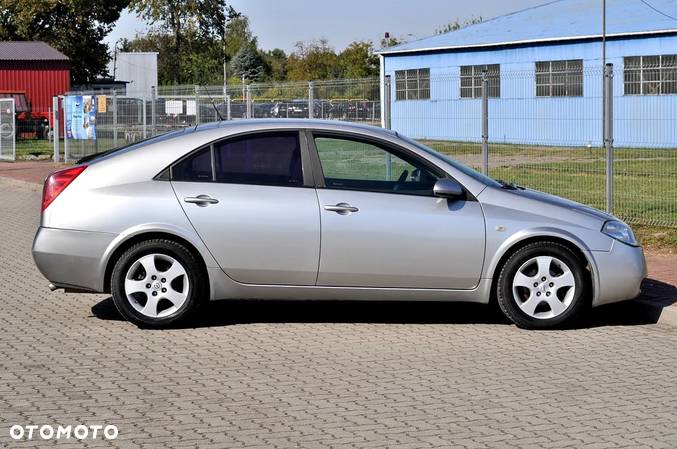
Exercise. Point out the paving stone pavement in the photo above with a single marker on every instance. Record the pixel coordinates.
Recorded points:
(336, 374)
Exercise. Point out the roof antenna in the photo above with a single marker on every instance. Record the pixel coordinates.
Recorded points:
(218, 114)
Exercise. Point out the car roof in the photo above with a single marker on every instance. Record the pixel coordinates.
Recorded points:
(236, 126)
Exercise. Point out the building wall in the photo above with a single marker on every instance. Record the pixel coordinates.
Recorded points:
(138, 69)
(521, 117)
(41, 80)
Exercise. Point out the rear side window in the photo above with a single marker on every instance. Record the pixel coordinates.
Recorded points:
(272, 159)
(196, 167)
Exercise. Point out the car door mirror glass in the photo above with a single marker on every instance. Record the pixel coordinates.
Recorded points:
(448, 188)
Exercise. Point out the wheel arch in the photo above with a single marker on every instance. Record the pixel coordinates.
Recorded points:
(513, 245)
(130, 240)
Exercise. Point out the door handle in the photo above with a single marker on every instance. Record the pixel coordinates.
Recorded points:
(201, 200)
(341, 208)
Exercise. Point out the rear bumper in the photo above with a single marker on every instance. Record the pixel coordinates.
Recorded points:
(72, 259)
(620, 272)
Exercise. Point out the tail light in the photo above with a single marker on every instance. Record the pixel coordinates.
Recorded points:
(57, 182)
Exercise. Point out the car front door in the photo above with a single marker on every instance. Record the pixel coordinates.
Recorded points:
(382, 226)
(250, 202)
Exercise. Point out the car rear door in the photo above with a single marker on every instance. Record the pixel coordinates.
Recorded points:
(381, 224)
(251, 203)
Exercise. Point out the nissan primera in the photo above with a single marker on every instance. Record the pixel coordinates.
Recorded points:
(301, 209)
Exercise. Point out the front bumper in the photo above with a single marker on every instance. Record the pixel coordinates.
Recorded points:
(72, 259)
(620, 272)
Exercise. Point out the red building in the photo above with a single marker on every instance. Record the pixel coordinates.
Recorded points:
(32, 73)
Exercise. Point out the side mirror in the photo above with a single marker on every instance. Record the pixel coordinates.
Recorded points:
(447, 188)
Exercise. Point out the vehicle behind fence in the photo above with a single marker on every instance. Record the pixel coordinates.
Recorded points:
(543, 131)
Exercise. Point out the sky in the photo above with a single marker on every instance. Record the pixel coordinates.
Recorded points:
(282, 23)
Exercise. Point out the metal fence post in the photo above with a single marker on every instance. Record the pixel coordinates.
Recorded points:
(311, 101)
(485, 123)
(143, 103)
(386, 102)
(115, 118)
(228, 116)
(608, 123)
(249, 101)
(66, 155)
(153, 96)
(55, 127)
(197, 105)
(387, 123)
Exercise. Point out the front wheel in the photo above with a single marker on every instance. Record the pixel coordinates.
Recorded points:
(156, 283)
(542, 285)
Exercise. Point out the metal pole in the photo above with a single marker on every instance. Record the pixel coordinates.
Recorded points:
(152, 109)
(249, 101)
(66, 156)
(143, 103)
(311, 89)
(197, 105)
(603, 33)
(485, 123)
(387, 93)
(115, 118)
(386, 122)
(228, 115)
(609, 134)
(55, 127)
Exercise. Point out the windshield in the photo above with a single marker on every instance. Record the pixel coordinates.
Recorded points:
(484, 179)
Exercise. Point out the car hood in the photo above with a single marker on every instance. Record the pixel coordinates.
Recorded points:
(563, 202)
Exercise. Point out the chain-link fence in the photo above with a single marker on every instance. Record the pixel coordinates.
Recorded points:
(541, 129)
(545, 131)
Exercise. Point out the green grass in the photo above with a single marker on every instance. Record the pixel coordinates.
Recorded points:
(43, 148)
(645, 180)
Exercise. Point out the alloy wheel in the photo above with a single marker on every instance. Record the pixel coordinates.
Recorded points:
(156, 285)
(544, 287)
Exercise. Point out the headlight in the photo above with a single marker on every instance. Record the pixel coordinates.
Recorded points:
(619, 231)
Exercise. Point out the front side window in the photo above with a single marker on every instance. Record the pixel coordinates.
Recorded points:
(412, 84)
(272, 159)
(559, 78)
(650, 75)
(471, 80)
(357, 165)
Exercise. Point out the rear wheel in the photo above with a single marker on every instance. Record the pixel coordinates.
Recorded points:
(542, 285)
(157, 283)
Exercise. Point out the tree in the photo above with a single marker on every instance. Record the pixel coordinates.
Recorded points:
(456, 25)
(314, 60)
(276, 64)
(358, 60)
(391, 41)
(74, 27)
(248, 63)
(188, 22)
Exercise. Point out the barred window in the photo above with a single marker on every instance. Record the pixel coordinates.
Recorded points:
(471, 80)
(650, 75)
(559, 78)
(412, 84)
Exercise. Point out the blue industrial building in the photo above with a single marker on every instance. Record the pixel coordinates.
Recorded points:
(544, 69)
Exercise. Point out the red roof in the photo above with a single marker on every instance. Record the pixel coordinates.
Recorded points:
(29, 51)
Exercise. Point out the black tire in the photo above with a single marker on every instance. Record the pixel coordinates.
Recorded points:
(197, 282)
(509, 303)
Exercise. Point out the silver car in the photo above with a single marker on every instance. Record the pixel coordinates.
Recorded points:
(302, 209)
